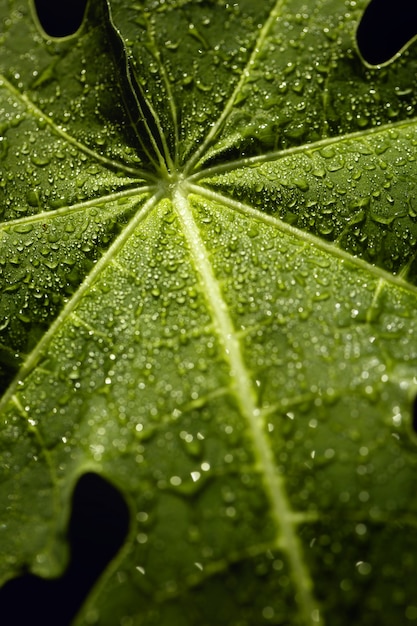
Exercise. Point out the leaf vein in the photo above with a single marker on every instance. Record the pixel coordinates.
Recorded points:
(245, 395)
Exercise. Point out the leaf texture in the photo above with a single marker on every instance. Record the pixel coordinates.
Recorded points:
(208, 296)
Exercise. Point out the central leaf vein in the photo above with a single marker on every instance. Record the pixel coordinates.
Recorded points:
(245, 395)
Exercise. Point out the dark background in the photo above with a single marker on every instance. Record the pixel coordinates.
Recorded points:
(385, 28)
(97, 529)
(60, 17)
(100, 518)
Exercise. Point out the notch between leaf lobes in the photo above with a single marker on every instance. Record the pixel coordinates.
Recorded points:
(60, 19)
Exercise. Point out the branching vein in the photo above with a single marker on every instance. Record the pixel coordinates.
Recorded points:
(33, 358)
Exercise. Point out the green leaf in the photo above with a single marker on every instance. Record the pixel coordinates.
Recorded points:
(208, 297)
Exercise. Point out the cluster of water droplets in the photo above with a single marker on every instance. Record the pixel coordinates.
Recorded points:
(136, 380)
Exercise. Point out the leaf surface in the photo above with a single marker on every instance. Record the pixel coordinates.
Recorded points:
(208, 297)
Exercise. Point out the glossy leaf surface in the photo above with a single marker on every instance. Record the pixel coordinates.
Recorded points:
(208, 297)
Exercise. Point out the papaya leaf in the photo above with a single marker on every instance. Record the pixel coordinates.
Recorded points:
(208, 298)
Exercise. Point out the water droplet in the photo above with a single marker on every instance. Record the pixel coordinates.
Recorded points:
(4, 147)
(363, 568)
(302, 184)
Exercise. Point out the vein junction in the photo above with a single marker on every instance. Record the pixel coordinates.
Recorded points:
(245, 395)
